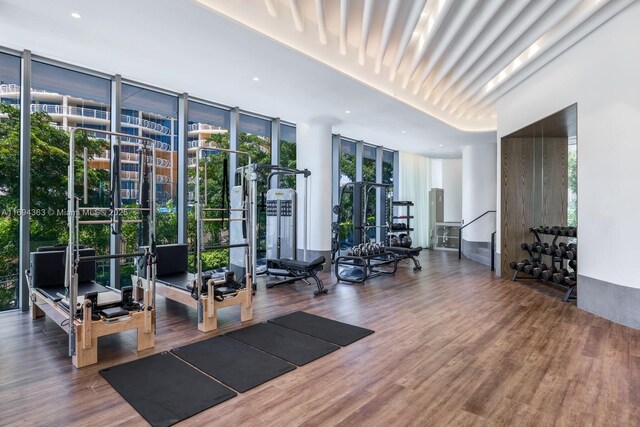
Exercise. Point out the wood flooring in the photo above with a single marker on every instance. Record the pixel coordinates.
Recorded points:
(453, 346)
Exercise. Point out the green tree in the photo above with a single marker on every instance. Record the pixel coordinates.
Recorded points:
(49, 162)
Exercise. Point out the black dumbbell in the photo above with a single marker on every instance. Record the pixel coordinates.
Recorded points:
(548, 274)
(537, 272)
(561, 279)
(521, 265)
(528, 269)
(572, 254)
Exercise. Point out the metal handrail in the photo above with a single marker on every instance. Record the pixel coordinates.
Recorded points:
(464, 226)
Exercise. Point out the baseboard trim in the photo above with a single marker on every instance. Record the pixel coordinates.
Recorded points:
(614, 302)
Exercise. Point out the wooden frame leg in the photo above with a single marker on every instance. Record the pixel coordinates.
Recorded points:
(146, 340)
(36, 311)
(209, 319)
(84, 356)
(246, 308)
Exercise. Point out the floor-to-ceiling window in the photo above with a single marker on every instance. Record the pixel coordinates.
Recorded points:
(288, 153)
(387, 167)
(347, 167)
(208, 128)
(255, 138)
(154, 115)
(369, 175)
(63, 99)
(9, 179)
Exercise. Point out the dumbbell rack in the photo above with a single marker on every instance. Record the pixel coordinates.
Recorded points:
(396, 231)
(558, 274)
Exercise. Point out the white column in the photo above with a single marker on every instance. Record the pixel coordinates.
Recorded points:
(313, 151)
(479, 164)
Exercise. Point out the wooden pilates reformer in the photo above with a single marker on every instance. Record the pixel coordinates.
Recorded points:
(204, 293)
(73, 268)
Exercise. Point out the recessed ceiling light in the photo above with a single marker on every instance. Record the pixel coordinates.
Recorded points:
(441, 145)
(76, 15)
(347, 111)
(404, 131)
(255, 79)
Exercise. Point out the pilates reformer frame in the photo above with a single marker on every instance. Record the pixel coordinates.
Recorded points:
(83, 330)
(206, 304)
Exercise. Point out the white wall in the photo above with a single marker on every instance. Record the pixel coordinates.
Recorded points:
(452, 186)
(601, 74)
(478, 191)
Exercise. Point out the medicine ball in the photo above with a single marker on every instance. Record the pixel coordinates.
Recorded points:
(406, 241)
(394, 241)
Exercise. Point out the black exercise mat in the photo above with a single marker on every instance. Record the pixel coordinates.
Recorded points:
(233, 363)
(323, 328)
(164, 389)
(284, 343)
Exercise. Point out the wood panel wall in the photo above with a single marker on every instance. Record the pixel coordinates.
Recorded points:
(534, 190)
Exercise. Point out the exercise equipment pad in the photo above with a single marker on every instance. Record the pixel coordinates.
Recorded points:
(233, 363)
(333, 331)
(164, 389)
(287, 344)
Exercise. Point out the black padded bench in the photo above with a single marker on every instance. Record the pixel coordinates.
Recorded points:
(172, 265)
(47, 271)
(407, 253)
(297, 270)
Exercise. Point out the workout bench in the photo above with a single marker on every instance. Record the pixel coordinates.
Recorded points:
(296, 270)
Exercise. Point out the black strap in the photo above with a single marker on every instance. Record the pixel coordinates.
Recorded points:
(224, 201)
(115, 191)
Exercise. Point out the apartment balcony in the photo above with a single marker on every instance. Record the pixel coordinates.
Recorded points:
(144, 123)
(10, 90)
(193, 145)
(78, 115)
(196, 128)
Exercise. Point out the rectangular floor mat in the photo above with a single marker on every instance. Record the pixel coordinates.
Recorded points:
(323, 328)
(164, 389)
(233, 363)
(284, 343)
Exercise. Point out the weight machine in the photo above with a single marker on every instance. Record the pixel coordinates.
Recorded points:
(281, 210)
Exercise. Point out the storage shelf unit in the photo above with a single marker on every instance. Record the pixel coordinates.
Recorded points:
(396, 231)
(445, 237)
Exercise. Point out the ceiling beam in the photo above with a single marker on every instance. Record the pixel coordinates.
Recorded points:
(565, 33)
(510, 45)
(412, 21)
(298, 21)
(367, 13)
(452, 29)
(434, 21)
(344, 24)
(480, 45)
(322, 26)
(389, 21)
(271, 8)
(462, 44)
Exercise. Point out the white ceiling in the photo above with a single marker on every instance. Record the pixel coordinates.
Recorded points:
(449, 58)
(179, 45)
